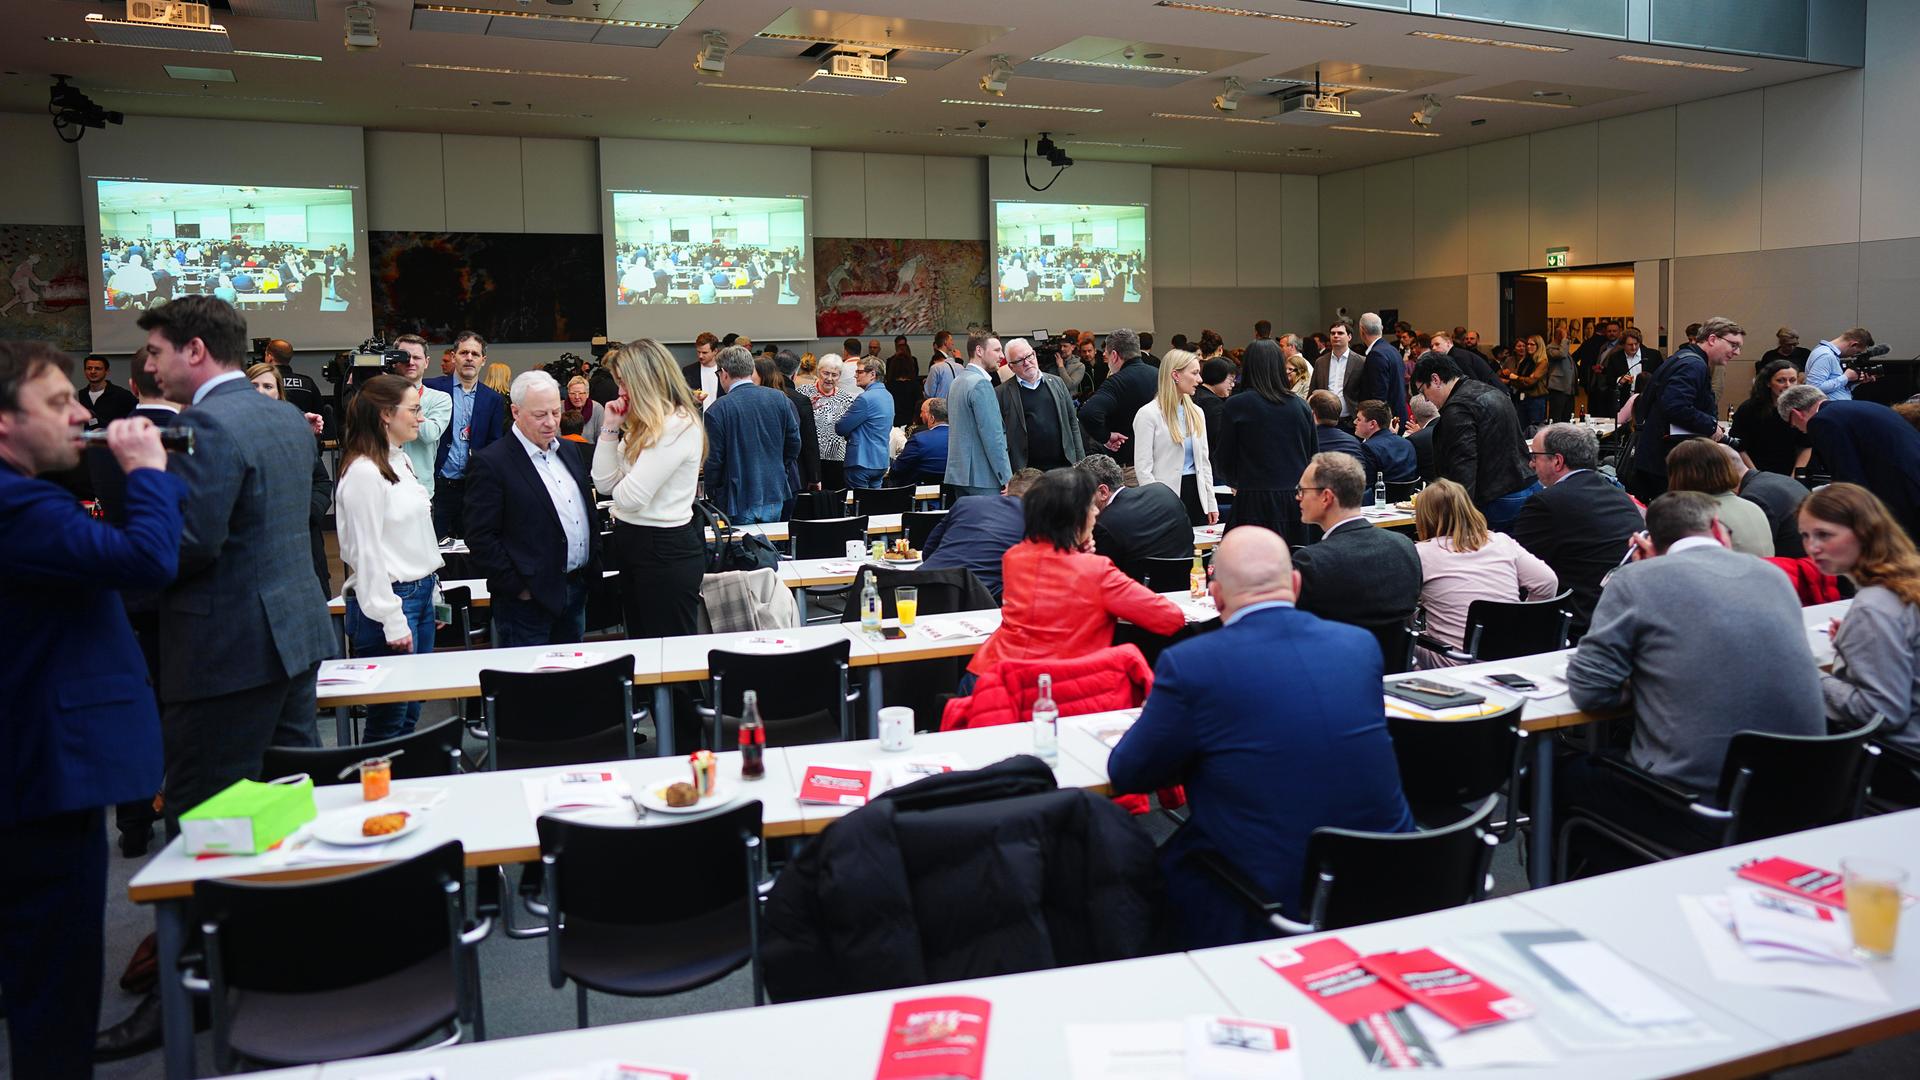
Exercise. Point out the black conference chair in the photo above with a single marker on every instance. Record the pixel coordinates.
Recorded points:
(302, 972)
(432, 751)
(1449, 766)
(1770, 785)
(1896, 779)
(1352, 878)
(1163, 575)
(919, 525)
(1396, 640)
(805, 696)
(886, 500)
(826, 538)
(1403, 491)
(617, 925)
(461, 631)
(559, 717)
(1501, 630)
(814, 505)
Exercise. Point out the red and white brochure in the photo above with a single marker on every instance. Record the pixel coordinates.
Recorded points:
(1329, 972)
(1445, 988)
(1811, 883)
(935, 1037)
(836, 785)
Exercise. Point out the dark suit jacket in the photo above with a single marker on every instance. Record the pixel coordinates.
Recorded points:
(1579, 527)
(246, 592)
(692, 372)
(1474, 366)
(1145, 522)
(514, 531)
(489, 418)
(1608, 395)
(1260, 780)
(923, 460)
(1866, 443)
(1385, 378)
(82, 729)
(1797, 357)
(1422, 443)
(809, 460)
(1328, 439)
(1111, 408)
(1353, 380)
(1392, 455)
(1680, 394)
(116, 403)
(975, 534)
(109, 483)
(1360, 575)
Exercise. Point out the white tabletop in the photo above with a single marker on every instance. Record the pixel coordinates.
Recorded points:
(684, 659)
(455, 674)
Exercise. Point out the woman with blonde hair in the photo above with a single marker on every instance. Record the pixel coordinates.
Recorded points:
(499, 379)
(1299, 368)
(266, 378)
(647, 458)
(1461, 561)
(1715, 469)
(1170, 439)
(580, 400)
(1849, 532)
(808, 373)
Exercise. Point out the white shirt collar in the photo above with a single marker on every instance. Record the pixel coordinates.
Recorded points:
(529, 443)
(225, 376)
(1034, 385)
(1689, 542)
(168, 405)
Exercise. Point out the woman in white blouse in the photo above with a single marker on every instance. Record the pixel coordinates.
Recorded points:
(647, 459)
(1461, 561)
(385, 521)
(1170, 439)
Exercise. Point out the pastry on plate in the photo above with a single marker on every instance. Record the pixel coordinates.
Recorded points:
(384, 824)
(681, 794)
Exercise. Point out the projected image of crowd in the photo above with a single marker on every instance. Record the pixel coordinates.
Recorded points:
(1068, 274)
(709, 273)
(141, 272)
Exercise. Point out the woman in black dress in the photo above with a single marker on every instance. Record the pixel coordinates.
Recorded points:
(1769, 442)
(1264, 445)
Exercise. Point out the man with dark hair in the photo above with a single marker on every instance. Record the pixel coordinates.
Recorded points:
(1327, 436)
(1478, 442)
(1146, 349)
(1626, 370)
(1578, 522)
(1107, 416)
(704, 373)
(1262, 330)
(1590, 362)
(245, 621)
(1356, 574)
(479, 417)
(1340, 370)
(1386, 454)
(1680, 403)
(1180, 342)
(1135, 523)
(1471, 364)
(978, 529)
(750, 443)
(943, 368)
(105, 400)
(303, 391)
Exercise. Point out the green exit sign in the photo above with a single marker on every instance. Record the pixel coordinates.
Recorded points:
(1556, 258)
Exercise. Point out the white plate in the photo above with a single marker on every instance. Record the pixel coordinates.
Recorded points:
(897, 564)
(653, 797)
(342, 827)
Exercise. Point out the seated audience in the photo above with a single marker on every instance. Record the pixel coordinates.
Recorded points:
(1700, 465)
(924, 461)
(977, 531)
(1701, 642)
(1579, 522)
(1384, 451)
(1170, 440)
(1356, 573)
(1061, 599)
(1849, 532)
(1478, 445)
(1327, 436)
(1460, 562)
(753, 441)
(1135, 523)
(1260, 779)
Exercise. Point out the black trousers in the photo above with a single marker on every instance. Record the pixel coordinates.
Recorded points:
(1190, 495)
(660, 574)
(53, 899)
(1559, 406)
(833, 475)
(449, 507)
(212, 742)
(1580, 782)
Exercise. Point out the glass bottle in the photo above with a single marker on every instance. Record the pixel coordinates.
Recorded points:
(1046, 724)
(870, 607)
(1197, 577)
(753, 739)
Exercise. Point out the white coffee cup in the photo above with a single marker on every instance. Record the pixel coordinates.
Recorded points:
(857, 550)
(896, 728)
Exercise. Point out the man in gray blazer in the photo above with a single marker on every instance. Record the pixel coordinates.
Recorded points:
(244, 626)
(977, 446)
(1036, 412)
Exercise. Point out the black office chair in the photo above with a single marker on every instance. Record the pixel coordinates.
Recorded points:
(536, 718)
(814, 505)
(1403, 491)
(941, 591)
(460, 631)
(302, 972)
(1162, 575)
(1501, 630)
(1352, 878)
(1396, 640)
(1449, 766)
(886, 500)
(1770, 785)
(1895, 785)
(826, 538)
(919, 525)
(805, 696)
(646, 912)
(432, 751)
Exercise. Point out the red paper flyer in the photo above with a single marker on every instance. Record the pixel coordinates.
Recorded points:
(933, 1037)
(836, 785)
(1330, 973)
(1820, 886)
(1446, 989)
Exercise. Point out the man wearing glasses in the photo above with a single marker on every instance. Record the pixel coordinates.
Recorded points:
(1356, 574)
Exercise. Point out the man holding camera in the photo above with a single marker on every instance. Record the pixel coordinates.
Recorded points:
(1827, 366)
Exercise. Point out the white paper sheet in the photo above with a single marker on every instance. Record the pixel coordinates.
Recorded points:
(1729, 962)
(1150, 1051)
(1615, 985)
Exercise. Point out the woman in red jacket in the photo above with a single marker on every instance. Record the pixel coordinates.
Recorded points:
(1062, 600)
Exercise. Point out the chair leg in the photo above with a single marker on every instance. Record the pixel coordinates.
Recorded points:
(580, 1005)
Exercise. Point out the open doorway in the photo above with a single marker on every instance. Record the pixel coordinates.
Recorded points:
(1567, 305)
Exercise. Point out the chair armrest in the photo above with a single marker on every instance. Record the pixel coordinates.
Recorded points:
(1653, 785)
(1242, 886)
(1435, 645)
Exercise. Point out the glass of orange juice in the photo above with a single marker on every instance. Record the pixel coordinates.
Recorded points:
(1873, 904)
(906, 599)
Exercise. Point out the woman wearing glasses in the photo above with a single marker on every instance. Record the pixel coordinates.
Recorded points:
(385, 522)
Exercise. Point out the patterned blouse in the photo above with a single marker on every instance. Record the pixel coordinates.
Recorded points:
(827, 412)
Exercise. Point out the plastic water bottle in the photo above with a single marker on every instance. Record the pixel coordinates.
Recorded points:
(1046, 724)
(870, 607)
(1380, 490)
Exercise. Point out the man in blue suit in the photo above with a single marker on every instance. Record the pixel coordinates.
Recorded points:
(924, 459)
(1268, 752)
(1383, 376)
(867, 425)
(1385, 452)
(80, 728)
(479, 417)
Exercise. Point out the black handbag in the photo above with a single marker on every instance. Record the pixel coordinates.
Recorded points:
(728, 548)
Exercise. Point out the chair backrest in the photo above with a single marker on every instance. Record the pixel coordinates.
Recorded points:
(558, 717)
(1353, 877)
(941, 591)
(1778, 784)
(1162, 575)
(308, 936)
(887, 500)
(813, 505)
(1396, 641)
(605, 608)
(1896, 778)
(920, 525)
(1402, 491)
(1455, 762)
(433, 751)
(1500, 629)
(613, 873)
(458, 633)
(826, 538)
(796, 690)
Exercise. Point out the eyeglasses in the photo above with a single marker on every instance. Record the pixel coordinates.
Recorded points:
(1304, 487)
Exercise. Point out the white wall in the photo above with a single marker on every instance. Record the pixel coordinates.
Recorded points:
(899, 196)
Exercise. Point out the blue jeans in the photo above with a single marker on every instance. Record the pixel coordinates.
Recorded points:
(865, 478)
(1501, 511)
(393, 719)
(526, 622)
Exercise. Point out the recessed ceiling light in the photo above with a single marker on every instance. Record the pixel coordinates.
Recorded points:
(1021, 105)
(210, 96)
(1116, 67)
(947, 135)
(1078, 143)
(1290, 153)
(60, 39)
(1219, 119)
(1514, 101)
(1384, 131)
(1285, 80)
(771, 89)
(877, 46)
(1498, 43)
(457, 109)
(1690, 65)
(453, 9)
(1249, 13)
(470, 69)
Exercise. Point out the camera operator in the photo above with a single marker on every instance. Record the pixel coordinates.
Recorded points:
(1828, 370)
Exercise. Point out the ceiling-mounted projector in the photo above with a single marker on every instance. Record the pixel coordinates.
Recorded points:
(854, 73)
(1303, 105)
(155, 25)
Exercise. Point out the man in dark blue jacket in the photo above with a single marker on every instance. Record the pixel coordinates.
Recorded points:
(1383, 451)
(479, 417)
(924, 459)
(1268, 752)
(978, 530)
(1384, 374)
(753, 444)
(1678, 403)
(81, 728)
(1861, 442)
